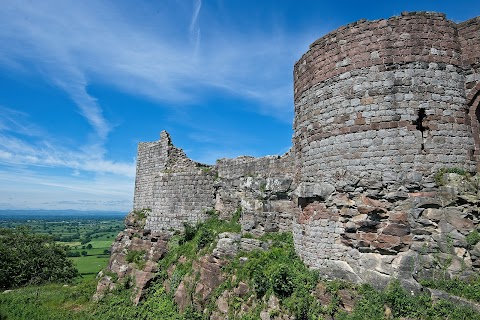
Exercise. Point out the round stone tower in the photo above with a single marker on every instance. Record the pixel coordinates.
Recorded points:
(380, 107)
(388, 100)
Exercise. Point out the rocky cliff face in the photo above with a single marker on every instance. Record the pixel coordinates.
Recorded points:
(134, 258)
(370, 235)
(375, 234)
(363, 230)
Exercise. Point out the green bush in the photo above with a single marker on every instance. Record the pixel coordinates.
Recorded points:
(438, 177)
(137, 257)
(467, 289)
(189, 232)
(473, 238)
(27, 258)
(282, 279)
(280, 271)
(403, 305)
(205, 236)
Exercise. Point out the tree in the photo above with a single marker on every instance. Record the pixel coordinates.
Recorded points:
(84, 253)
(27, 258)
(89, 246)
(73, 254)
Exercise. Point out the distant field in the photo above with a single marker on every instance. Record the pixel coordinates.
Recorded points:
(90, 239)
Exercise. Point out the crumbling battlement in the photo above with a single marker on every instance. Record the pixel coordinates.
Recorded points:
(380, 107)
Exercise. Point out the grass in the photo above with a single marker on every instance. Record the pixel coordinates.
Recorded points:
(90, 266)
(466, 289)
(48, 302)
(438, 177)
(276, 271)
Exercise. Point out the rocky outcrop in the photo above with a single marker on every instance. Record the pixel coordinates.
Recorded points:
(375, 235)
(134, 258)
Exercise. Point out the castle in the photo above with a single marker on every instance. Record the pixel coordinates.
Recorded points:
(380, 107)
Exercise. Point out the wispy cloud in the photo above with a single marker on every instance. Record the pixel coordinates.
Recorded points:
(148, 60)
(23, 188)
(194, 28)
(43, 151)
(170, 52)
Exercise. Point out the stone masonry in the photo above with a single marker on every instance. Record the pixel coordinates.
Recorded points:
(380, 107)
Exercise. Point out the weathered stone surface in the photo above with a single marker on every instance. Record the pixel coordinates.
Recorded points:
(104, 285)
(227, 245)
(211, 276)
(395, 229)
(371, 130)
(312, 190)
(154, 247)
(182, 297)
(222, 302)
(242, 289)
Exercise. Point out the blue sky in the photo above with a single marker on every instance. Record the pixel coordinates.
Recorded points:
(82, 82)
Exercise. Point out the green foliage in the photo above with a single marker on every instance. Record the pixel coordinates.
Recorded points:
(263, 187)
(140, 214)
(473, 238)
(27, 258)
(189, 232)
(212, 212)
(438, 177)
(282, 280)
(48, 302)
(237, 215)
(303, 305)
(195, 241)
(191, 314)
(205, 237)
(277, 271)
(137, 257)
(280, 271)
(73, 253)
(206, 169)
(403, 305)
(467, 289)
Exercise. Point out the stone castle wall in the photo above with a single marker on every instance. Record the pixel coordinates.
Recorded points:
(385, 99)
(380, 107)
(174, 188)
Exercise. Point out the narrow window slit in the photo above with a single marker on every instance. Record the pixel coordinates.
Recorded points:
(419, 124)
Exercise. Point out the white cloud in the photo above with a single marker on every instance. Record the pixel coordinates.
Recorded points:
(72, 42)
(170, 55)
(40, 150)
(25, 189)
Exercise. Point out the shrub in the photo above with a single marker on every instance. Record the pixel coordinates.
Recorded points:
(282, 280)
(205, 236)
(27, 258)
(137, 257)
(438, 177)
(189, 232)
(473, 238)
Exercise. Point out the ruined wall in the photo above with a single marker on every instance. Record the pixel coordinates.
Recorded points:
(175, 189)
(151, 160)
(261, 187)
(380, 107)
(269, 166)
(470, 44)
